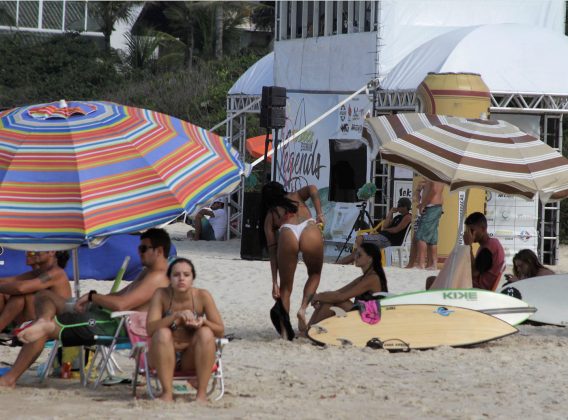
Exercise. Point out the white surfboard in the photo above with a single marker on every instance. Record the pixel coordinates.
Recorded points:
(549, 294)
(507, 308)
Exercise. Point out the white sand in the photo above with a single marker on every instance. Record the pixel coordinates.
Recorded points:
(519, 376)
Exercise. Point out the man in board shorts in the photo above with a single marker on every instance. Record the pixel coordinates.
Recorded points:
(91, 315)
(430, 210)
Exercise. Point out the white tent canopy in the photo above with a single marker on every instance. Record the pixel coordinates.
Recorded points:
(258, 75)
(509, 57)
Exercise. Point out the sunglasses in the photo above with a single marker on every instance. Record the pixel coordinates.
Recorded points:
(32, 253)
(143, 248)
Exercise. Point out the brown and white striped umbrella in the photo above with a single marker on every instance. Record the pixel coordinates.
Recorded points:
(467, 153)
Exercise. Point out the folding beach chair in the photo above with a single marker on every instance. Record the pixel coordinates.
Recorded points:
(103, 347)
(401, 251)
(135, 324)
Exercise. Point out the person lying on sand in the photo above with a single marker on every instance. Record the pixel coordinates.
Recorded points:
(183, 322)
(80, 326)
(373, 280)
(17, 292)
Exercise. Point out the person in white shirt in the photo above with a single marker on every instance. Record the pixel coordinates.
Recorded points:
(213, 228)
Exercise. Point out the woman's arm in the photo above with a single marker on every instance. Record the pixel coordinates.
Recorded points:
(155, 321)
(212, 318)
(312, 192)
(355, 288)
(272, 245)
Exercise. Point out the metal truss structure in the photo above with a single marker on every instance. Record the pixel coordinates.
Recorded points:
(501, 102)
(238, 106)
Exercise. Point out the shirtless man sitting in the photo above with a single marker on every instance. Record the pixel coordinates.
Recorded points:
(80, 326)
(17, 292)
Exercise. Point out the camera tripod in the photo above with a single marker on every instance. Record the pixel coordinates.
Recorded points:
(359, 223)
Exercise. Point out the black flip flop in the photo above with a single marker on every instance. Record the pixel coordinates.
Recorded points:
(275, 317)
(283, 317)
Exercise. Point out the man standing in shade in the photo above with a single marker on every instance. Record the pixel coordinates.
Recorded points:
(430, 211)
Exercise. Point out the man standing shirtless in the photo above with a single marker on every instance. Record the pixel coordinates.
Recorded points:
(430, 210)
(80, 326)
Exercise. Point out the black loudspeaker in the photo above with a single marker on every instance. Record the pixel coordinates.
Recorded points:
(252, 241)
(273, 107)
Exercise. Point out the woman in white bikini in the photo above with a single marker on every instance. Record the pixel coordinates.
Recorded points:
(183, 321)
(289, 228)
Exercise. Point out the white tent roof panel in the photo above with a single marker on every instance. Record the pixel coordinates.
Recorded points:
(258, 75)
(509, 57)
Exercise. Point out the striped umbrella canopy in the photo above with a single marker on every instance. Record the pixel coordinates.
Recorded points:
(463, 153)
(73, 172)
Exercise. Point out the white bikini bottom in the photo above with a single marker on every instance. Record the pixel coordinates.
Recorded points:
(297, 229)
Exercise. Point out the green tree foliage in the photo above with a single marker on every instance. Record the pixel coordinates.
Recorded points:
(62, 67)
(197, 95)
(109, 13)
(263, 15)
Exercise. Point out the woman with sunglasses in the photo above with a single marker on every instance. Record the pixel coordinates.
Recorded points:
(183, 322)
(17, 292)
(364, 287)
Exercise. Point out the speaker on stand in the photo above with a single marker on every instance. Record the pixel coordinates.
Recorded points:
(272, 117)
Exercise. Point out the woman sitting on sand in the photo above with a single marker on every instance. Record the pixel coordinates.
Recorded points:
(373, 280)
(527, 265)
(183, 321)
(289, 228)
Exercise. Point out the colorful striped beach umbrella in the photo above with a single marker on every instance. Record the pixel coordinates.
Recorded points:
(465, 153)
(71, 173)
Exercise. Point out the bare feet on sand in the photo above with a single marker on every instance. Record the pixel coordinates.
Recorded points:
(39, 329)
(302, 324)
(6, 383)
(167, 397)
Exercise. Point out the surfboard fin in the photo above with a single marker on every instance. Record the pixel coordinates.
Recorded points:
(338, 312)
(344, 341)
(319, 330)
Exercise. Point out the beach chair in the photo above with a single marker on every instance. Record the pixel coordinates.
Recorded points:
(401, 251)
(103, 348)
(135, 324)
(373, 230)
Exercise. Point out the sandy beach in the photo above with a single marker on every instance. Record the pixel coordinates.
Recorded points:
(268, 378)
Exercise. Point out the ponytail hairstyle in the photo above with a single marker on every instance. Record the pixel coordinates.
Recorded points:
(274, 195)
(374, 252)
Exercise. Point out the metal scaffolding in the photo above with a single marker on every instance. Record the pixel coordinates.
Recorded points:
(238, 106)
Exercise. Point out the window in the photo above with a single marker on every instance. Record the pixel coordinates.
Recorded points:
(52, 15)
(28, 14)
(75, 16)
(299, 11)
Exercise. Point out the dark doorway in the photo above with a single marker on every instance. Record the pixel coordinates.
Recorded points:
(348, 169)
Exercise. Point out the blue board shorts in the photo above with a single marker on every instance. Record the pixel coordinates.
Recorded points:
(428, 228)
